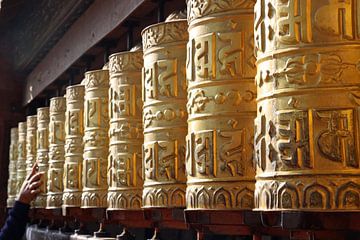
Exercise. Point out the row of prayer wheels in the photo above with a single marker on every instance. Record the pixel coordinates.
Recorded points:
(226, 110)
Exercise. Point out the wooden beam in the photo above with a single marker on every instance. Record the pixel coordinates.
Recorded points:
(98, 20)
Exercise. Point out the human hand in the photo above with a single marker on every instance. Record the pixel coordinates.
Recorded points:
(30, 188)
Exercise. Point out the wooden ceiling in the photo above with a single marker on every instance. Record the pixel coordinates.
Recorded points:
(32, 27)
(51, 43)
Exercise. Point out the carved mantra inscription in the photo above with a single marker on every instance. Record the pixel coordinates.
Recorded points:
(30, 142)
(164, 116)
(55, 181)
(216, 153)
(123, 102)
(96, 140)
(74, 129)
(42, 155)
(161, 79)
(161, 160)
(21, 156)
(126, 131)
(306, 130)
(219, 55)
(221, 105)
(291, 22)
(11, 188)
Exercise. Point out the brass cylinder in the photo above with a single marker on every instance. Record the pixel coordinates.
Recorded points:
(21, 156)
(42, 140)
(126, 131)
(31, 126)
(307, 126)
(12, 167)
(221, 105)
(55, 184)
(96, 140)
(74, 148)
(164, 114)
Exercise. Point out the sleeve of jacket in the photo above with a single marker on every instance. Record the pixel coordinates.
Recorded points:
(15, 224)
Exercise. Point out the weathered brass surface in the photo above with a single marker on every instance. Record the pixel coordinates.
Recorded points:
(221, 105)
(31, 126)
(12, 167)
(96, 140)
(307, 126)
(126, 131)
(55, 180)
(74, 148)
(21, 156)
(164, 114)
(42, 140)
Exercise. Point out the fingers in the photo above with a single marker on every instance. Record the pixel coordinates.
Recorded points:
(35, 185)
(35, 191)
(34, 169)
(36, 177)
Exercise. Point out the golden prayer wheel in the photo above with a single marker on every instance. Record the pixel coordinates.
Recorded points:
(55, 184)
(96, 140)
(31, 126)
(74, 148)
(21, 156)
(12, 167)
(164, 114)
(221, 105)
(42, 139)
(307, 126)
(126, 131)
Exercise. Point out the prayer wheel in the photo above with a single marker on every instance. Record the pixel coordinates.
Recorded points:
(55, 180)
(164, 113)
(96, 140)
(31, 126)
(74, 148)
(42, 139)
(126, 131)
(12, 167)
(307, 126)
(21, 156)
(221, 105)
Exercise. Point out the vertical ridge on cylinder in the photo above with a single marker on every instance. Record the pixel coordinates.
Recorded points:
(164, 114)
(55, 180)
(42, 151)
(11, 190)
(307, 127)
(96, 140)
(221, 105)
(74, 148)
(21, 160)
(126, 131)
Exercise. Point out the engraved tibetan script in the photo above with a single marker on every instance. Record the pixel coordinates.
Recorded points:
(122, 101)
(294, 21)
(123, 167)
(200, 158)
(336, 141)
(336, 18)
(97, 112)
(75, 119)
(293, 142)
(160, 160)
(220, 54)
(161, 79)
(263, 29)
(232, 153)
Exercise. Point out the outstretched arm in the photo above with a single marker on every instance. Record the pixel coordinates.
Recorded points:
(15, 224)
